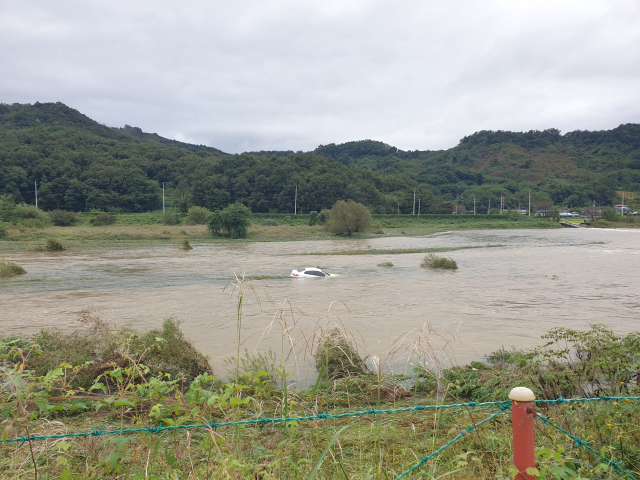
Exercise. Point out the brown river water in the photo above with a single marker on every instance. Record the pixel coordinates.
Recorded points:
(506, 296)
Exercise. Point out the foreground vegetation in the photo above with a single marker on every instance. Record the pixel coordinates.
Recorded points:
(112, 378)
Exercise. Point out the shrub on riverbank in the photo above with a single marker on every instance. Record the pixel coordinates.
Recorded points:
(53, 245)
(233, 220)
(170, 218)
(347, 218)
(99, 347)
(431, 260)
(10, 269)
(103, 219)
(197, 215)
(60, 218)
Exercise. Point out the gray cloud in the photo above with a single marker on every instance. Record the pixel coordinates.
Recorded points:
(290, 75)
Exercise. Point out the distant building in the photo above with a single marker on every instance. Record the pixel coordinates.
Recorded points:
(622, 208)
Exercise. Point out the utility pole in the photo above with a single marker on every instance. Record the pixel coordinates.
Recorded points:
(419, 207)
(36, 184)
(398, 208)
(474, 205)
(529, 202)
(163, 197)
(489, 210)
(622, 206)
(295, 202)
(414, 202)
(500, 204)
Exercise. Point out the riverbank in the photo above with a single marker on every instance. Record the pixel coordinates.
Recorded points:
(139, 230)
(395, 420)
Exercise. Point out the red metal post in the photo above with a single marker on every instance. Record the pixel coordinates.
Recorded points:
(522, 414)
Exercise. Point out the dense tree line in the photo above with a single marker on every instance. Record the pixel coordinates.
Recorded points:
(80, 164)
(574, 169)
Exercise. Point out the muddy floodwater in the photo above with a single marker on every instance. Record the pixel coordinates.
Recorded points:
(506, 296)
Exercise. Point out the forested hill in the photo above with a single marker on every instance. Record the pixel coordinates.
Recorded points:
(80, 164)
(572, 169)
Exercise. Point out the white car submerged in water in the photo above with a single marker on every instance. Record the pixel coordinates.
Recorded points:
(309, 272)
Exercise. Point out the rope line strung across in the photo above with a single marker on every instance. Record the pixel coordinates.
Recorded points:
(455, 439)
(260, 421)
(582, 443)
(504, 405)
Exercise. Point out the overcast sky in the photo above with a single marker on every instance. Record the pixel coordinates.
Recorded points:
(290, 75)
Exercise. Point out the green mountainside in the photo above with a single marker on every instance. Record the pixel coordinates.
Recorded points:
(81, 165)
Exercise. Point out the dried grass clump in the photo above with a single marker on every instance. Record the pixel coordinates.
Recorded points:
(385, 264)
(10, 269)
(101, 347)
(337, 357)
(431, 260)
(54, 245)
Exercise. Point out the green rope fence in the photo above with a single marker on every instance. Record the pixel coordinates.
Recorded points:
(454, 439)
(260, 421)
(582, 443)
(504, 405)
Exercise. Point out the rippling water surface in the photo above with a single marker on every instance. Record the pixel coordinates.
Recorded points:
(504, 296)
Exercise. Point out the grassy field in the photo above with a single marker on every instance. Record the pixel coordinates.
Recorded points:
(131, 230)
(121, 386)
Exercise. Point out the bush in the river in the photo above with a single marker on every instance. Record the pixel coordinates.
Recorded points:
(104, 219)
(60, 218)
(337, 357)
(431, 260)
(99, 347)
(53, 245)
(348, 218)
(186, 245)
(10, 269)
(234, 220)
(170, 218)
(197, 215)
(385, 264)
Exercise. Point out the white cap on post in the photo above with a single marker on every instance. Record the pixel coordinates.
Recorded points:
(521, 394)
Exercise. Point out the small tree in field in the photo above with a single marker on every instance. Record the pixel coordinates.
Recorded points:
(197, 215)
(349, 217)
(234, 220)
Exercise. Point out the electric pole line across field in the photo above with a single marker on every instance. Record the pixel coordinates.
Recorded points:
(36, 184)
(295, 202)
(163, 197)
